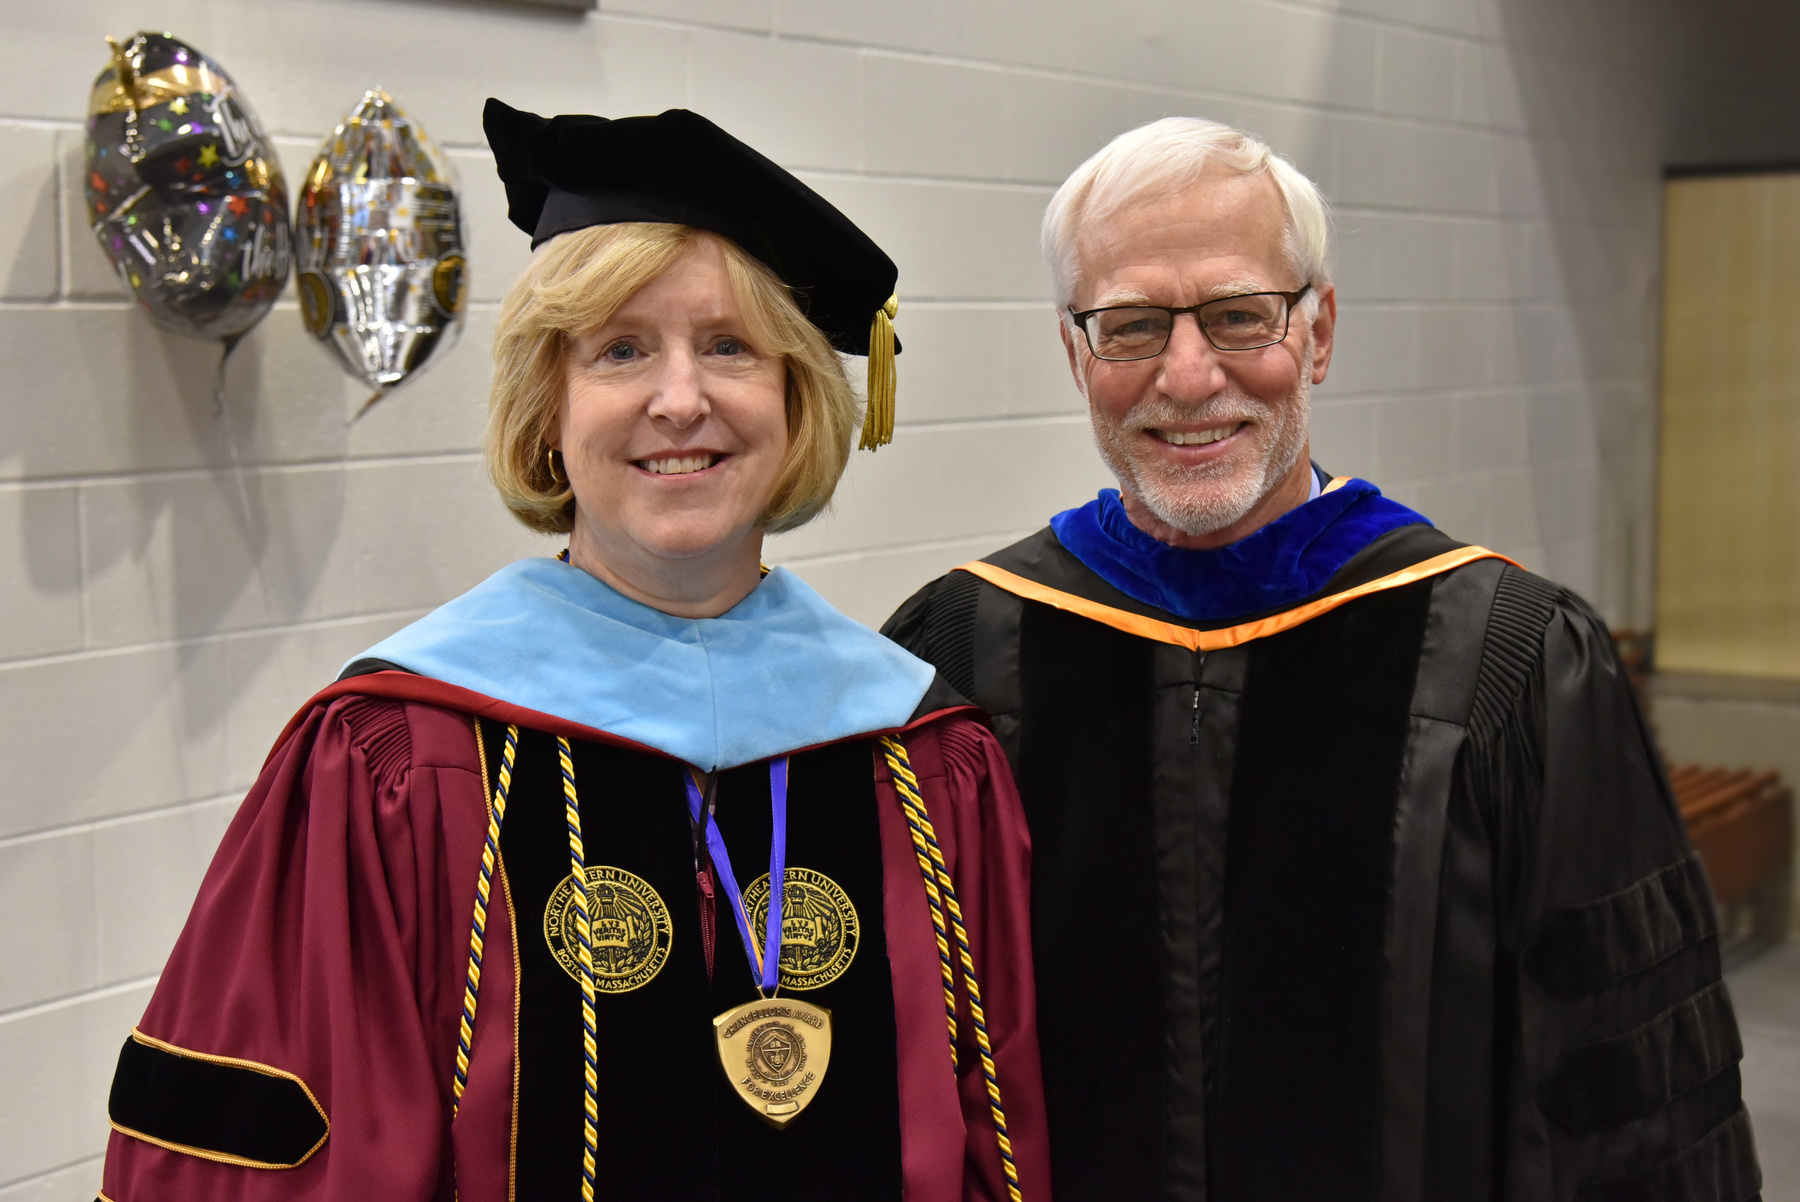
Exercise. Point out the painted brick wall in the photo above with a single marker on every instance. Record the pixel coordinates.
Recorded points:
(173, 582)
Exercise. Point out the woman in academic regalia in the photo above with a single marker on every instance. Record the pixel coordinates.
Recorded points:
(639, 872)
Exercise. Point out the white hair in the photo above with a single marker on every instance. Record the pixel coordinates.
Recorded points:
(1167, 155)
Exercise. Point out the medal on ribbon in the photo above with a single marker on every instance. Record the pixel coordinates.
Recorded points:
(775, 1050)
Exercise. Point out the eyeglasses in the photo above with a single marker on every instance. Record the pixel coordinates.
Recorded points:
(1123, 333)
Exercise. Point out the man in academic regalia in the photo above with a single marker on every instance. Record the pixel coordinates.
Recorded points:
(1356, 874)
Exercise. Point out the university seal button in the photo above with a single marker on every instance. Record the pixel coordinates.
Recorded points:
(819, 927)
(775, 1052)
(631, 928)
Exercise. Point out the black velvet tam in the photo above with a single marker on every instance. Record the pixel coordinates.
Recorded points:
(570, 172)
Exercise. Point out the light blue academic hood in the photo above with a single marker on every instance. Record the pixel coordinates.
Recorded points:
(780, 670)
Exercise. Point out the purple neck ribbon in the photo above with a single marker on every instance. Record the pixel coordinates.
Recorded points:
(766, 967)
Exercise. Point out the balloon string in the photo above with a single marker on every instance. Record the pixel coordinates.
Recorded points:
(237, 468)
(370, 404)
(224, 415)
(231, 343)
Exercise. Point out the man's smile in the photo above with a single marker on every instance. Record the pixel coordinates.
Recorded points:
(1197, 438)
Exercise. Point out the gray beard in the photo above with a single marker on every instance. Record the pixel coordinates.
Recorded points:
(1203, 500)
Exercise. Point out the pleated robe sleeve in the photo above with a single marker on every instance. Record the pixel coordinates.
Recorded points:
(949, 1146)
(1613, 1048)
(329, 942)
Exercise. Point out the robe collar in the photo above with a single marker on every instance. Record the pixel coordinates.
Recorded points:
(1278, 566)
(779, 671)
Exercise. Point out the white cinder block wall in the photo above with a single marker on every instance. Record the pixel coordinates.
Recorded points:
(174, 582)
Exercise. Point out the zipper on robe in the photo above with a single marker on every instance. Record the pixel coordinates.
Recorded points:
(709, 916)
(1194, 731)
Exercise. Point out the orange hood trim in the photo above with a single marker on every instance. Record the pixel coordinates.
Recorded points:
(1229, 636)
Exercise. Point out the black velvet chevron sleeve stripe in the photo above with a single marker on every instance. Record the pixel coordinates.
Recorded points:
(1720, 1166)
(1620, 1046)
(1586, 947)
(1610, 1082)
(234, 1111)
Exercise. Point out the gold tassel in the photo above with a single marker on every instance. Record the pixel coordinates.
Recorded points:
(878, 419)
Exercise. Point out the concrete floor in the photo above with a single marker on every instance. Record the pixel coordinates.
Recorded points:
(1766, 993)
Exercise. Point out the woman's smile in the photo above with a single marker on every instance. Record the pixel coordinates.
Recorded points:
(682, 463)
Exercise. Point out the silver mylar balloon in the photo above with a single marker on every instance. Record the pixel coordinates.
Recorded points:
(184, 190)
(383, 276)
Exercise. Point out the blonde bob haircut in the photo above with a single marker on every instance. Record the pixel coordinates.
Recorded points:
(576, 282)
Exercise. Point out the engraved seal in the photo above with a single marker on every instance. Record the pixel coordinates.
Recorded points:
(776, 1052)
(632, 932)
(819, 928)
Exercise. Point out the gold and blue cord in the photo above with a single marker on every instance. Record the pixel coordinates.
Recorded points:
(940, 892)
(490, 855)
(584, 933)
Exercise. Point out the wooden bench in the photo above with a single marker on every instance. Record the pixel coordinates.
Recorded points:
(1741, 823)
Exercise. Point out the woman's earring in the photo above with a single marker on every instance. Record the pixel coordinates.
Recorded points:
(550, 458)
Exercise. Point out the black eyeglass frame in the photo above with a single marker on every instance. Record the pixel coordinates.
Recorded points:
(1287, 320)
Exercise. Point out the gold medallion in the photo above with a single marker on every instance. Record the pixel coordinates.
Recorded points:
(775, 1052)
(819, 927)
(632, 932)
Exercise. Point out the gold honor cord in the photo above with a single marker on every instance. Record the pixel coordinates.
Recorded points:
(931, 865)
(490, 854)
(584, 933)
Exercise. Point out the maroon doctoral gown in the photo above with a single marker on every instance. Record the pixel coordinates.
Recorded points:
(303, 1039)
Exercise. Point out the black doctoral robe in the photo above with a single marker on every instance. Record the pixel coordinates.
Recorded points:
(1378, 899)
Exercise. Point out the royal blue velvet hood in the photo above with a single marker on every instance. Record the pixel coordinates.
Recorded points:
(1280, 565)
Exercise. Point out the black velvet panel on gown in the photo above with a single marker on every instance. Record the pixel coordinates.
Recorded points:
(1309, 872)
(670, 1125)
(1086, 759)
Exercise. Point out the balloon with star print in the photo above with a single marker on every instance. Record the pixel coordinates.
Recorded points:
(378, 238)
(184, 190)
